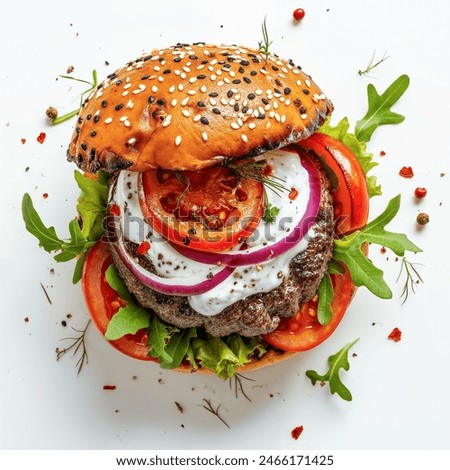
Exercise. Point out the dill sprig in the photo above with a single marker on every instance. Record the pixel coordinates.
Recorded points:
(413, 278)
(254, 170)
(71, 114)
(78, 345)
(265, 43)
(215, 411)
(373, 65)
(237, 382)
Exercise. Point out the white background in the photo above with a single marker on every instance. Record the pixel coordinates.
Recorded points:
(400, 389)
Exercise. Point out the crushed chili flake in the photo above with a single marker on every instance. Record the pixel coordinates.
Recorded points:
(295, 433)
(26, 319)
(382, 250)
(406, 172)
(23, 140)
(293, 194)
(109, 387)
(45, 195)
(382, 153)
(143, 248)
(41, 137)
(395, 335)
(115, 210)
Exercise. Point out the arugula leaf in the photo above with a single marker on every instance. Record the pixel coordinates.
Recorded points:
(116, 282)
(359, 148)
(326, 294)
(362, 271)
(178, 347)
(159, 336)
(379, 109)
(336, 362)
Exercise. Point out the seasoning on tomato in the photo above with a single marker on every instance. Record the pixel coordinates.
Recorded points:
(420, 193)
(209, 210)
(406, 172)
(298, 14)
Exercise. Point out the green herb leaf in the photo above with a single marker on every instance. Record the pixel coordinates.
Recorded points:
(325, 294)
(270, 213)
(336, 362)
(159, 335)
(379, 110)
(116, 282)
(178, 347)
(47, 236)
(362, 271)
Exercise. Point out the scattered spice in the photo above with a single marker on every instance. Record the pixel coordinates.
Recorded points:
(395, 335)
(26, 319)
(46, 294)
(70, 69)
(52, 113)
(298, 14)
(420, 193)
(422, 218)
(45, 195)
(383, 250)
(214, 411)
(78, 345)
(109, 387)
(406, 172)
(23, 140)
(143, 248)
(382, 153)
(64, 323)
(295, 433)
(179, 407)
(41, 137)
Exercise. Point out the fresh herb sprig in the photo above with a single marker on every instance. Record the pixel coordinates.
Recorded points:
(413, 278)
(264, 45)
(336, 362)
(71, 114)
(372, 65)
(78, 345)
(215, 411)
(236, 382)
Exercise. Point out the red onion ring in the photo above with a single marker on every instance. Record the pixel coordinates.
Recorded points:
(259, 255)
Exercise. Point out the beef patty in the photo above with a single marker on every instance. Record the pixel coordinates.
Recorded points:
(259, 313)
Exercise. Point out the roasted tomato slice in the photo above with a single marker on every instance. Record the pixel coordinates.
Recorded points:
(349, 187)
(303, 331)
(103, 301)
(207, 210)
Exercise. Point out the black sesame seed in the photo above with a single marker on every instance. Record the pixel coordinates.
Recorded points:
(276, 90)
(95, 167)
(253, 73)
(80, 158)
(93, 133)
(275, 68)
(80, 120)
(200, 104)
(236, 81)
(214, 94)
(92, 154)
(177, 59)
(145, 58)
(112, 75)
(265, 100)
(236, 107)
(118, 106)
(204, 120)
(201, 77)
(186, 241)
(251, 96)
(216, 110)
(104, 104)
(229, 93)
(247, 80)
(297, 102)
(226, 66)
(165, 72)
(193, 57)
(88, 117)
(160, 102)
(84, 146)
(241, 69)
(306, 92)
(287, 90)
(204, 62)
(245, 109)
(151, 99)
(245, 62)
(261, 116)
(96, 118)
(192, 231)
(144, 77)
(230, 59)
(303, 110)
(77, 130)
(119, 82)
(255, 60)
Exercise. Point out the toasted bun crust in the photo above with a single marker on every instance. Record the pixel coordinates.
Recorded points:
(188, 107)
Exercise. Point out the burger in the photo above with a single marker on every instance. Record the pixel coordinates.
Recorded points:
(222, 201)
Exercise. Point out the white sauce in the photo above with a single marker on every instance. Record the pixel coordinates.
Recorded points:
(245, 280)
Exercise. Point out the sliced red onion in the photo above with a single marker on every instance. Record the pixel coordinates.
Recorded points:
(169, 286)
(259, 255)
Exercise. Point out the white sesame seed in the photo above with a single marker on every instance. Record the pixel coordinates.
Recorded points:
(244, 138)
(174, 102)
(323, 96)
(160, 79)
(204, 136)
(132, 141)
(197, 118)
(210, 68)
(272, 114)
(186, 69)
(264, 71)
(108, 120)
(287, 102)
(212, 101)
(239, 121)
(192, 79)
(258, 92)
(219, 72)
(275, 104)
(315, 99)
(185, 101)
(281, 99)
(299, 83)
(224, 101)
(128, 80)
(192, 92)
(232, 102)
(282, 75)
(125, 93)
(130, 104)
(154, 88)
(284, 69)
(303, 116)
(283, 118)
(203, 89)
(178, 140)
(127, 123)
(172, 89)
(142, 87)
(235, 125)
(232, 74)
(183, 75)
(177, 72)
(128, 85)
(166, 121)
(307, 83)
(220, 83)
(180, 87)
(157, 68)
(296, 71)
(260, 110)
(185, 113)
(123, 118)
(200, 67)
(135, 92)
(212, 77)
(237, 97)
(267, 107)
(226, 80)
(213, 62)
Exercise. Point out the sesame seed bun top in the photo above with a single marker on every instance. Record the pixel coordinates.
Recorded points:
(188, 107)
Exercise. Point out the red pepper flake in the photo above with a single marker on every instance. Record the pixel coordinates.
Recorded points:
(420, 193)
(41, 137)
(406, 172)
(298, 14)
(26, 319)
(143, 248)
(109, 387)
(395, 335)
(293, 193)
(45, 195)
(295, 433)
(115, 210)
(23, 140)
(382, 250)
(382, 153)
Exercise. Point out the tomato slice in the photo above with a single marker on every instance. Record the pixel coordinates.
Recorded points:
(208, 210)
(349, 187)
(103, 302)
(303, 331)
